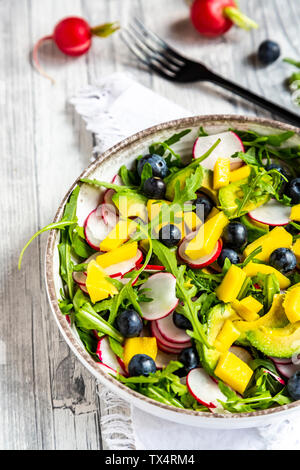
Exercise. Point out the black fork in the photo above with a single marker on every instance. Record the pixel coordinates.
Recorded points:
(168, 63)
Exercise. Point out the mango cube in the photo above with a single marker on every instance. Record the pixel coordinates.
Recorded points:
(252, 269)
(140, 345)
(221, 173)
(248, 308)
(277, 238)
(239, 174)
(192, 221)
(227, 336)
(97, 285)
(291, 304)
(118, 235)
(154, 207)
(231, 285)
(118, 255)
(234, 372)
(207, 236)
(295, 213)
(296, 250)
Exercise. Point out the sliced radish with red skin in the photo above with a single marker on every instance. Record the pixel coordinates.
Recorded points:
(204, 389)
(162, 289)
(163, 359)
(287, 370)
(230, 144)
(68, 319)
(117, 180)
(107, 356)
(276, 377)
(79, 278)
(108, 214)
(272, 213)
(152, 268)
(241, 353)
(167, 350)
(200, 262)
(96, 229)
(123, 367)
(175, 347)
(281, 360)
(125, 266)
(83, 288)
(107, 198)
(170, 332)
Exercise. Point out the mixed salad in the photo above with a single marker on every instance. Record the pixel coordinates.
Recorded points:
(183, 282)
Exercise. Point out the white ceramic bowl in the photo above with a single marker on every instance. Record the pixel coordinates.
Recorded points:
(104, 169)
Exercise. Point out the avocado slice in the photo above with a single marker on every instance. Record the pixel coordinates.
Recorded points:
(254, 230)
(275, 318)
(278, 342)
(228, 195)
(182, 175)
(131, 204)
(215, 320)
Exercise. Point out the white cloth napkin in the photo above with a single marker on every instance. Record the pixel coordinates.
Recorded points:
(113, 109)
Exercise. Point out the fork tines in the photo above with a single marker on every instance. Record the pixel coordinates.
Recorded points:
(152, 50)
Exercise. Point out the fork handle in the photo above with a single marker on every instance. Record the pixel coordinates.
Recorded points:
(256, 99)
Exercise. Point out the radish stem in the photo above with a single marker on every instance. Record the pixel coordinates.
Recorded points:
(238, 18)
(35, 59)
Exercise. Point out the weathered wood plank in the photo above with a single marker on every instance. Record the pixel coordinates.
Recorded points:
(47, 399)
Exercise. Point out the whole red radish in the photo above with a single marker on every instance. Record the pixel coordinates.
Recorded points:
(213, 18)
(73, 36)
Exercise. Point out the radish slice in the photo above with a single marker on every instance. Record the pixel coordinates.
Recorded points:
(170, 332)
(125, 266)
(79, 278)
(287, 370)
(163, 359)
(152, 268)
(230, 144)
(200, 262)
(107, 356)
(166, 349)
(281, 360)
(204, 389)
(162, 289)
(167, 346)
(242, 354)
(272, 213)
(276, 377)
(96, 228)
(107, 198)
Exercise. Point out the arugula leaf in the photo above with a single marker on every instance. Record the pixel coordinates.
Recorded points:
(86, 317)
(192, 184)
(146, 173)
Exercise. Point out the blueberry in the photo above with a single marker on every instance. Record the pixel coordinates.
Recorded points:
(129, 323)
(169, 235)
(229, 253)
(141, 364)
(181, 321)
(157, 163)
(293, 190)
(268, 52)
(283, 260)
(203, 203)
(293, 386)
(235, 235)
(154, 188)
(189, 358)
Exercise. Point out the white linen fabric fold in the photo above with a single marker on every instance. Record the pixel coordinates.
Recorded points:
(114, 108)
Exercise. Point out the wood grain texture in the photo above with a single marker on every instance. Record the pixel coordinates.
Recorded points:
(47, 399)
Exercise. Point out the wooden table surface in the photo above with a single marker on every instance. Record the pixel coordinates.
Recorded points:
(47, 399)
